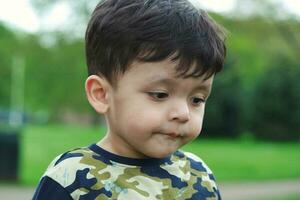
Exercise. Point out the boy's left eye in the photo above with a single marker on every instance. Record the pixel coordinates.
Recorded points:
(196, 101)
(158, 95)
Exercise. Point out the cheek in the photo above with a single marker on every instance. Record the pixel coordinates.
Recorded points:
(142, 120)
(195, 131)
(196, 125)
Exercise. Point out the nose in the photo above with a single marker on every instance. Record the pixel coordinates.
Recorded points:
(179, 112)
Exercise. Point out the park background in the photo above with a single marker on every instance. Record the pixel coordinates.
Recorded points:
(251, 130)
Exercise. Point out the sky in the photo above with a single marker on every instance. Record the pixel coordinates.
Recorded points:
(20, 14)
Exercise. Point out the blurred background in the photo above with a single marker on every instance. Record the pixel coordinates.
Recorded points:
(251, 129)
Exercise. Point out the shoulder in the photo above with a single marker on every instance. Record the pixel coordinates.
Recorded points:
(49, 189)
(201, 173)
(197, 163)
(197, 167)
(194, 161)
(67, 167)
(64, 171)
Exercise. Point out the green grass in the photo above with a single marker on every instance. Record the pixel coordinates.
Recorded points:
(41, 144)
(230, 160)
(242, 161)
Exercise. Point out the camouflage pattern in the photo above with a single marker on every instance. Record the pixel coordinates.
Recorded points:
(87, 174)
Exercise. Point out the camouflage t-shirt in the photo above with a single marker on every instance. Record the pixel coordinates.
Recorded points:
(94, 173)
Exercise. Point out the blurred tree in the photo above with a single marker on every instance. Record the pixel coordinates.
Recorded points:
(81, 7)
(253, 43)
(9, 47)
(75, 26)
(223, 111)
(47, 69)
(56, 83)
(275, 13)
(276, 101)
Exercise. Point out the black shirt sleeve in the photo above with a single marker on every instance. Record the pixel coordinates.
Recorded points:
(48, 189)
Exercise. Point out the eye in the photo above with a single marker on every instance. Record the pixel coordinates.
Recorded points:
(158, 95)
(197, 101)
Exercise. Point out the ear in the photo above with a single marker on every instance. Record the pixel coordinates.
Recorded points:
(97, 89)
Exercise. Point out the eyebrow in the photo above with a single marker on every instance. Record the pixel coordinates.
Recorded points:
(161, 79)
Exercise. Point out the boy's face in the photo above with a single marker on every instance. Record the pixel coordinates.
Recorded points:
(152, 112)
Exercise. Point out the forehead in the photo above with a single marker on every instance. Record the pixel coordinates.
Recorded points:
(161, 72)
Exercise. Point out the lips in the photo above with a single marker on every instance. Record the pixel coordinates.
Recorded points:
(173, 135)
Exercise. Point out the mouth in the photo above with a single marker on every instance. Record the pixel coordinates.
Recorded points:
(173, 135)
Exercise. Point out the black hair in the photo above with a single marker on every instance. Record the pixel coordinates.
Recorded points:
(121, 31)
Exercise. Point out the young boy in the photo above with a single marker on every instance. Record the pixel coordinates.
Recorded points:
(151, 65)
